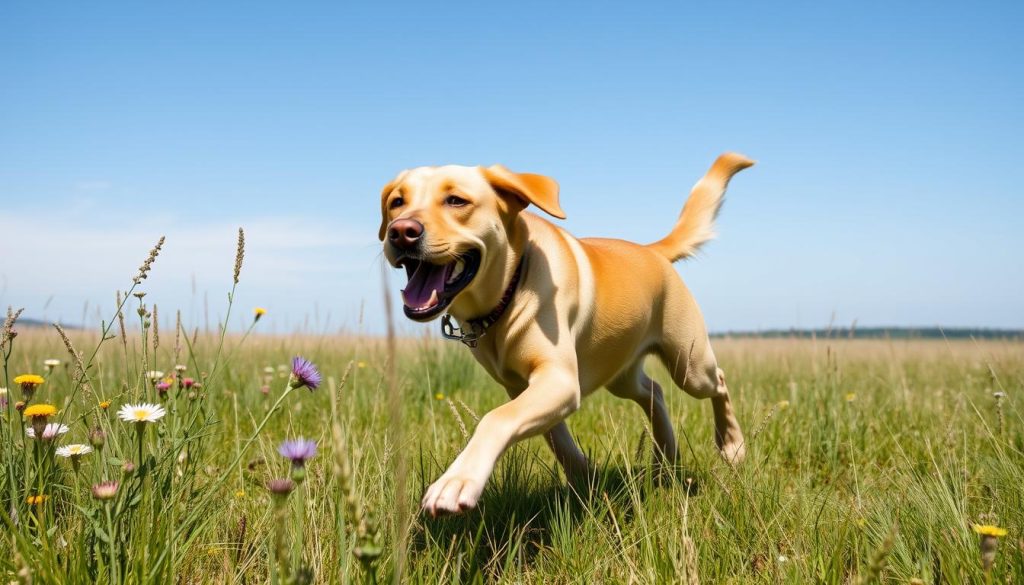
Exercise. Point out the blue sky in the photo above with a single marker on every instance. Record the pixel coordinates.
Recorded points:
(888, 137)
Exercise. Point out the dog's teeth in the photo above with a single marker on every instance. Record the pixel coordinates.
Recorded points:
(457, 271)
(433, 299)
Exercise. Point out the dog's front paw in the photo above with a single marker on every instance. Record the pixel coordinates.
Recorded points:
(451, 495)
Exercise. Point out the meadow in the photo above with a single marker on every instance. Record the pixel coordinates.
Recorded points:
(868, 461)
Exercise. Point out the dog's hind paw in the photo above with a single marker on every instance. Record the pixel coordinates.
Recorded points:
(451, 495)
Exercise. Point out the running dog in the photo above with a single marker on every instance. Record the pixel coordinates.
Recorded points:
(551, 317)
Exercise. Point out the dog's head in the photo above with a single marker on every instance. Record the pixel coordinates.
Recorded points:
(446, 225)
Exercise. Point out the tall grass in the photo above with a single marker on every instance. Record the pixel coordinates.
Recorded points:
(871, 461)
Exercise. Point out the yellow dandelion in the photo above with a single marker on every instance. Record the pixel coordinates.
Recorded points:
(40, 411)
(439, 396)
(258, 312)
(850, 397)
(35, 500)
(989, 530)
(29, 381)
(105, 404)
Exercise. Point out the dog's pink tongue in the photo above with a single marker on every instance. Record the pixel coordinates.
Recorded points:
(419, 293)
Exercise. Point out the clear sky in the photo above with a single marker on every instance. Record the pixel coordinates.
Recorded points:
(888, 135)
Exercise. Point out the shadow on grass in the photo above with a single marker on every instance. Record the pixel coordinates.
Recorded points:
(526, 505)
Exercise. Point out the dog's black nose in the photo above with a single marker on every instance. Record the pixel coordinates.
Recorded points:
(405, 233)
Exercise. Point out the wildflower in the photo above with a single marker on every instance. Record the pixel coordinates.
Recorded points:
(180, 368)
(19, 405)
(162, 387)
(35, 500)
(298, 451)
(187, 383)
(989, 530)
(141, 413)
(105, 490)
(50, 364)
(269, 370)
(28, 383)
(3, 397)
(361, 365)
(154, 375)
(439, 396)
(304, 373)
(127, 468)
(265, 389)
(97, 438)
(280, 487)
(105, 404)
(50, 431)
(990, 536)
(257, 313)
(74, 451)
(850, 397)
(39, 413)
(783, 404)
(240, 493)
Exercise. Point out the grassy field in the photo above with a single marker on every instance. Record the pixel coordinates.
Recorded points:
(868, 461)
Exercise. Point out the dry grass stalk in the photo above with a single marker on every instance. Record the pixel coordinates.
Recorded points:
(8, 331)
(79, 376)
(148, 263)
(239, 254)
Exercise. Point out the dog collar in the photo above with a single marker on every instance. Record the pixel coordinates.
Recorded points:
(473, 329)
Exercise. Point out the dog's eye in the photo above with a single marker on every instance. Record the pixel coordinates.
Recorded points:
(397, 202)
(455, 201)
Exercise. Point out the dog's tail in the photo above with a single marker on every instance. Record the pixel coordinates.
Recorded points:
(696, 224)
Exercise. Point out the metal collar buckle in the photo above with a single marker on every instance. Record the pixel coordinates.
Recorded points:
(470, 336)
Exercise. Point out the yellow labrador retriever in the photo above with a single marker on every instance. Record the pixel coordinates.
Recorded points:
(551, 317)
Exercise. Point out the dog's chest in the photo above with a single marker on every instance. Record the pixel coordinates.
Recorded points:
(499, 368)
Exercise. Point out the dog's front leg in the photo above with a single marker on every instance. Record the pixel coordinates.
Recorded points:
(553, 394)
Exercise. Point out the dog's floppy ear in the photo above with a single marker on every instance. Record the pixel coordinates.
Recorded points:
(529, 188)
(383, 202)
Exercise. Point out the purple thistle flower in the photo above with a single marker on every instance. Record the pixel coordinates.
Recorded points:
(304, 373)
(281, 486)
(298, 450)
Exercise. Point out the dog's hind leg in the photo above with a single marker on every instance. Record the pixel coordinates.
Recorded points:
(637, 386)
(693, 368)
(574, 463)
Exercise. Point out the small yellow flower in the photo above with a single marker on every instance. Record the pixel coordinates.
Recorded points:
(783, 404)
(105, 404)
(850, 397)
(361, 364)
(240, 494)
(439, 396)
(35, 500)
(40, 411)
(29, 381)
(861, 522)
(258, 312)
(989, 530)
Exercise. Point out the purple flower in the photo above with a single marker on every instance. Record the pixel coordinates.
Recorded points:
(298, 450)
(281, 486)
(304, 373)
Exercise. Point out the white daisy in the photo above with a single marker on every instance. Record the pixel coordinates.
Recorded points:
(76, 450)
(154, 375)
(141, 413)
(51, 363)
(50, 431)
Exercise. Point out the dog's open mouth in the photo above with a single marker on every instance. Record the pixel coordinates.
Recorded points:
(432, 287)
